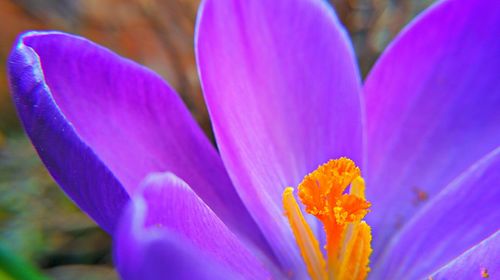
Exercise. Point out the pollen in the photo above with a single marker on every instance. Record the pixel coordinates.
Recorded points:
(335, 194)
(484, 273)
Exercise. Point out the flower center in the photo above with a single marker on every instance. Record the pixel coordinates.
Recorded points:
(323, 193)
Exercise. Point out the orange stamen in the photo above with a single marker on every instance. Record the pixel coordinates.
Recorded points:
(323, 193)
(307, 242)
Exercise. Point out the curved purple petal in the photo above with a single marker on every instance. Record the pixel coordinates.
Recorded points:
(432, 104)
(481, 261)
(282, 88)
(460, 216)
(166, 202)
(159, 253)
(72, 163)
(90, 112)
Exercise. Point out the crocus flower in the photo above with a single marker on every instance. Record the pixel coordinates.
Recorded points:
(284, 94)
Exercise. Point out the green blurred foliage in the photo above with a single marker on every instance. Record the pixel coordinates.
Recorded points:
(38, 222)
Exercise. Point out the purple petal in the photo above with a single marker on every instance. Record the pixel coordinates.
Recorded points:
(461, 215)
(167, 203)
(72, 163)
(481, 261)
(155, 253)
(432, 104)
(90, 112)
(282, 88)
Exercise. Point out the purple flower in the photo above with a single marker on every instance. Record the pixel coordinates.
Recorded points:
(284, 94)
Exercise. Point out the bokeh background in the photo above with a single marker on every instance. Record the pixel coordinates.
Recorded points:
(39, 226)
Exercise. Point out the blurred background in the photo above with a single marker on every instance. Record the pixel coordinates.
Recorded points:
(39, 226)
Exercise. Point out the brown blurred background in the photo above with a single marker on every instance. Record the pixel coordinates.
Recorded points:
(37, 222)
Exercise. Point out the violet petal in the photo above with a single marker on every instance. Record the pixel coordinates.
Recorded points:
(73, 164)
(149, 254)
(282, 88)
(432, 102)
(460, 216)
(480, 261)
(165, 202)
(79, 99)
